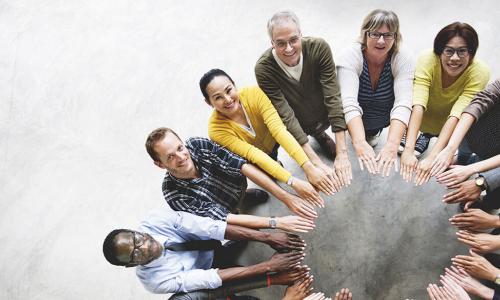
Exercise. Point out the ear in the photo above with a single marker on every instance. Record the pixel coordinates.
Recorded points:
(159, 164)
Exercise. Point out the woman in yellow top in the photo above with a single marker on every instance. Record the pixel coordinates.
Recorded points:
(246, 123)
(445, 82)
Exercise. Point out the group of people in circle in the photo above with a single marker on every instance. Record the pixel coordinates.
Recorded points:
(374, 84)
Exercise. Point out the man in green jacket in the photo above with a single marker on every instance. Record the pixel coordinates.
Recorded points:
(298, 75)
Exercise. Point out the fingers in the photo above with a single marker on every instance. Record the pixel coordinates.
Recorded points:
(422, 176)
(452, 197)
(302, 225)
(306, 210)
(315, 296)
(343, 294)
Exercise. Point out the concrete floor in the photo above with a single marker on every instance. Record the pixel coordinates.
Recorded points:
(83, 82)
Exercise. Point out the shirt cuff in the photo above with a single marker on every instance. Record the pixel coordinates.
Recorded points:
(402, 114)
(219, 230)
(351, 115)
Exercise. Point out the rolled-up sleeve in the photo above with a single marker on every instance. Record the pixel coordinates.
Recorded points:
(189, 281)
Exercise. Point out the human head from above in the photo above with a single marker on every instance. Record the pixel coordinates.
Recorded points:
(220, 92)
(129, 248)
(456, 45)
(169, 152)
(286, 37)
(380, 34)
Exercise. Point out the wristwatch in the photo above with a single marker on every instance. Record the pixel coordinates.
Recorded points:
(480, 182)
(272, 222)
(497, 279)
(289, 182)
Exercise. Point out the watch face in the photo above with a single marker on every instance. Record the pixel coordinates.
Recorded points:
(497, 279)
(272, 223)
(480, 181)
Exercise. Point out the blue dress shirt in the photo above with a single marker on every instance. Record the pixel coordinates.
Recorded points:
(183, 271)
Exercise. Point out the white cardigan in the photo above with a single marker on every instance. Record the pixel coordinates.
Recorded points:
(349, 68)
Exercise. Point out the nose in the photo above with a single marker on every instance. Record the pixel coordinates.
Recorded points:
(227, 98)
(381, 39)
(455, 56)
(288, 47)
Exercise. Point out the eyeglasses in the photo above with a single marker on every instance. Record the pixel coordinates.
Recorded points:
(376, 35)
(282, 44)
(461, 52)
(136, 254)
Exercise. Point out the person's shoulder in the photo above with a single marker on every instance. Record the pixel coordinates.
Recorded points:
(198, 143)
(428, 57)
(479, 65)
(265, 60)
(157, 216)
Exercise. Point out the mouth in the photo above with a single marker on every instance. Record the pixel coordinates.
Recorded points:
(454, 66)
(229, 106)
(289, 54)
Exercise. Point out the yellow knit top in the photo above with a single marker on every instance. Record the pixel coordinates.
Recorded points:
(440, 103)
(268, 129)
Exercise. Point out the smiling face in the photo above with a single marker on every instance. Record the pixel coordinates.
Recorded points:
(454, 66)
(135, 248)
(223, 96)
(286, 41)
(379, 48)
(174, 157)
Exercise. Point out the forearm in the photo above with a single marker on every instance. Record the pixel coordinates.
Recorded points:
(248, 221)
(486, 165)
(313, 157)
(356, 130)
(240, 233)
(396, 131)
(465, 122)
(414, 126)
(340, 143)
(444, 136)
(237, 286)
(263, 180)
(236, 273)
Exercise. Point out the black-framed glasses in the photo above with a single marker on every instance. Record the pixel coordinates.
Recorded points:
(282, 44)
(461, 52)
(136, 254)
(376, 35)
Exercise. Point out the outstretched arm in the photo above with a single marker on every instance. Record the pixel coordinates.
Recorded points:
(288, 223)
(294, 203)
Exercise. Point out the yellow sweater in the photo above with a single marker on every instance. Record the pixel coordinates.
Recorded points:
(268, 129)
(439, 103)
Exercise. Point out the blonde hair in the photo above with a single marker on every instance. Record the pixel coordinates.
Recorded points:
(377, 19)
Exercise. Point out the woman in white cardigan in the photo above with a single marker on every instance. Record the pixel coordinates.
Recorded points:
(376, 79)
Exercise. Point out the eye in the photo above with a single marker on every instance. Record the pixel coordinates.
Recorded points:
(180, 148)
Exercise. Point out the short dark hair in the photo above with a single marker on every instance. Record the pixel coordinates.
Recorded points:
(208, 77)
(452, 30)
(109, 247)
(154, 137)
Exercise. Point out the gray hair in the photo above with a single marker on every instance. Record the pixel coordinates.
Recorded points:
(377, 19)
(280, 18)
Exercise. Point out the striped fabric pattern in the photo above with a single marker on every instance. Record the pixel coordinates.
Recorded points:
(376, 104)
(218, 190)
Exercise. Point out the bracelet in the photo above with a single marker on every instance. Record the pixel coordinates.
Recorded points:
(268, 280)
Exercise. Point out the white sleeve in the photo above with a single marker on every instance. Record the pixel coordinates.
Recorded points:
(403, 70)
(349, 67)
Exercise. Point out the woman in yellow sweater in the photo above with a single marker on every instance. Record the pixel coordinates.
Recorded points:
(445, 82)
(246, 123)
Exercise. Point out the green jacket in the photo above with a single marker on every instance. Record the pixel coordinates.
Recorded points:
(316, 98)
